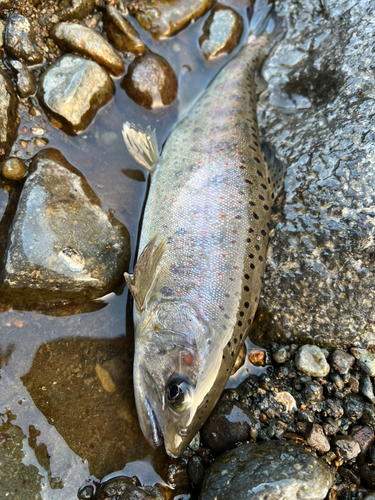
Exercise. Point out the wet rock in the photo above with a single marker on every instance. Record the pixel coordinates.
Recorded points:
(287, 400)
(364, 436)
(341, 361)
(195, 471)
(19, 40)
(367, 474)
(367, 389)
(365, 359)
(121, 33)
(346, 447)
(353, 383)
(25, 79)
(222, 32)
(51, 248)
(332, 408)
(150, 81)
(316, 438)
(87, 42)
(313, 392)
(166, 18)
(126, 488)
(228, 424)
(13, 169)
(281, 355)
(75, 9)
(257, 357)
(73, 89)
(9, 118)
(86, 493)
(353, 407)
(322, 252)
(368, 417)
(274, 469)
(311, 360)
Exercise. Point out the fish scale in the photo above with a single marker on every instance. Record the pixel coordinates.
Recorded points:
(203, 244)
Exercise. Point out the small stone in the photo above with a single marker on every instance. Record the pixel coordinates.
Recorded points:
(337, 380)
(268, 470)
(286, 399)
(364, 436)
(365, 359)
(257, 357)
(313, 392)
(368, 417)
(86, 493)
(281, 355)
(311, 360)
(122, 488)
(19, 40)
(316, 438)
(13, 169)
(87, 42)
(222, 32)
(195, 471)
(166, 18)
(228, 424)
(9, 118)
(73, 89)
(341, 361)
(121, 33)
(25, 79)
(331, 426)
(353, 383)
(74, 9)
(367, 388)
(346, 447)
(353, 407)
(332, 408)
(150, 81)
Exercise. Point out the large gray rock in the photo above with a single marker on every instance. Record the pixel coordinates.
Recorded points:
(319, 282)
(9, 118)
(62, 245)
(274, 470)
(87, 42)
(19, 40)
(73, 89)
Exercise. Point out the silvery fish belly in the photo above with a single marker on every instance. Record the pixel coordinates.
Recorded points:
(203, 244)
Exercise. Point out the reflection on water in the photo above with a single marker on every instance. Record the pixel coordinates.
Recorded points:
(67, 413)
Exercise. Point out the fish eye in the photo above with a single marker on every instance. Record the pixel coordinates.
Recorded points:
(178, 391)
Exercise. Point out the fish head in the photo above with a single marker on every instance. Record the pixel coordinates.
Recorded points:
(168, 365)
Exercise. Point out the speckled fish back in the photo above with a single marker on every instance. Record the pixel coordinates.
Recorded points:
(210, 198)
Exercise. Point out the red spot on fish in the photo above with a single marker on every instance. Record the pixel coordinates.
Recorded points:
(234, 232)
(230, 119)
(187, 358)
(234, 242)
(227, 164)
(222, 216)
(219, 274)
(239, 153)
(224, 254)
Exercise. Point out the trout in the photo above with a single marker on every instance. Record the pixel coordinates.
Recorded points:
(203, 244)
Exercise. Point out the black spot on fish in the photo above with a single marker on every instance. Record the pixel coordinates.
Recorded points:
(166, 291)
(226, 295)
(221, 307)
(228, 344)
(235, 340)
(248, 240)
(241, 313)
(256, 299)
(238, 217)
(263, 232)
(268, 180)
(257, 247)
(260, 258)
(247, 276)
(252, 266)
(261, 197)
(251, 203)
(259, 172)
(250, 230)
(246, 288)
(249, 321)
(251, 255)
(246, 304)
(256, 216)
(232, 354)
(248, 181)
(264, 186)
(266, 207)
(241, 336)
(239, 323)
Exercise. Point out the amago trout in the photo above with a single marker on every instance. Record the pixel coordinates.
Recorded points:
(203, 244)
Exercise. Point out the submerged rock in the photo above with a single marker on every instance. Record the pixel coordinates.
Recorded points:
(19, 40)
(221, 32)
(87, 42)
(25, 79)
(128, 488)
(62, 245)
(13, 169)
(273, 470)
(73, 89)
(9, 118)
(150, 81)
(121, 33)
(318, 114)
(166, 18)
(75, 9)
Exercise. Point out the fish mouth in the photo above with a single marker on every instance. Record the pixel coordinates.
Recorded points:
(156, 434)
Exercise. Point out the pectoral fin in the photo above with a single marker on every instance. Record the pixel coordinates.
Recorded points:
(145, 271)
(142, 145)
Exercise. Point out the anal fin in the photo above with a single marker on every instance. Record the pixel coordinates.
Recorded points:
(142, 145)
(145, 271)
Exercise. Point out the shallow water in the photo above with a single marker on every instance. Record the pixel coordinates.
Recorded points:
(54, 408)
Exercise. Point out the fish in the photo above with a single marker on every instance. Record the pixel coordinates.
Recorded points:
(202, 250)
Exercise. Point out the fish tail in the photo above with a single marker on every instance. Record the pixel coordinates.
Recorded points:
(265, 22)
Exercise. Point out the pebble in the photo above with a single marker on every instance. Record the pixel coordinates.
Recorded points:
(125, 488)
(353, 406)
(74, 9)
(367, 388)
(316, 438)
(105, 378)
(222, 32)
(257, 357)
(13, 169)
(281, 355)
(87, 42)
(311, 360)
(341, 361)
(287, 400)
(228, 424)
(19, 40)
(365, 359)
(166, 18)
(73, 89)
(123, 36)
(346, 447)
(268, 470)
(364, 436)
(150, 81)
(25, 79)
(9, 118)
(58, 213)
(312, 392)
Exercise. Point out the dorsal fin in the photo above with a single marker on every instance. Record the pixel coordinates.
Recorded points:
(145, 271)
(276, 168)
